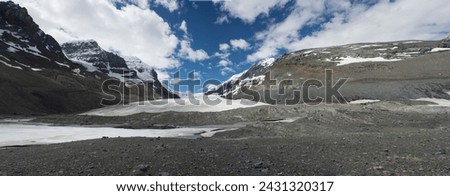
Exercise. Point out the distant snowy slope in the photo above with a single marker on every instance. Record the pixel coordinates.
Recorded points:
(211, 103)
(253, 76)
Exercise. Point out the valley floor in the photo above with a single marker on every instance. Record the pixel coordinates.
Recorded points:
(385, 138)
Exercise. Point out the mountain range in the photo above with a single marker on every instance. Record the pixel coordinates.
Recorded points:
(389, 71)
(38, 76)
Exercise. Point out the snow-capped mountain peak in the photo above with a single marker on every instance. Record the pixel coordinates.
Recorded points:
(266, 62)
(253, 76)
(143, 70)
(94, 58)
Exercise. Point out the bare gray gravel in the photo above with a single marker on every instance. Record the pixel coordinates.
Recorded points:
(387, 138)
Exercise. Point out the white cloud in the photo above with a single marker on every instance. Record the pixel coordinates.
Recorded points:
(197, 75)
(183, 27)
(186, 51)
(226, 70)
(143, 4)
(224, 62)
(193, 55)
(132, 30)
(171, 5)
(224, 47)
(385, 21)
(249, 10)
(222, 19)
(239, 44)
(281, 35)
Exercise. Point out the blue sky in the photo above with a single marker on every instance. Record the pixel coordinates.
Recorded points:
(218, 39)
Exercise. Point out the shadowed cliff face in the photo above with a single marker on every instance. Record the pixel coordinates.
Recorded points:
(20, 32)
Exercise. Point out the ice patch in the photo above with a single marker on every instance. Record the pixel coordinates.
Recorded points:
(351, 60)
(235, 77)
(412, 42)
(288, 120)
(33, 49)
(76, 71)
(407, 54)
(358, 47)
(12, 49)
(267, 62)
(308, 52)
(21, 134)
(62, 64)
(364, 101)
(212, 103)
(440, 49)
(89, 67)
(438, 102)
(117, 76)
(9, 65)
(251, 81)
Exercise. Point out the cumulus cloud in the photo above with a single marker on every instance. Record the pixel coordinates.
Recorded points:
(183, 27)
(226, 70)
(239, 44)
(225, 62)
(171, 5)
(351, 23)
(222, 19)
(224, 47)
(131, 30)
(188, 53)
(248, 10)
(143, 4)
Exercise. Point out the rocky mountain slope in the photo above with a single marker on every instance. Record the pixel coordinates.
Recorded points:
(130, 70)
(94, 58)
(382, 71)
(36, 77)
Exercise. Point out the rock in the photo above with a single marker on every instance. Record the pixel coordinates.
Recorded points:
(143, 168)
(441, 152)
(140, 170)
(258, 165)
(379, 168)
